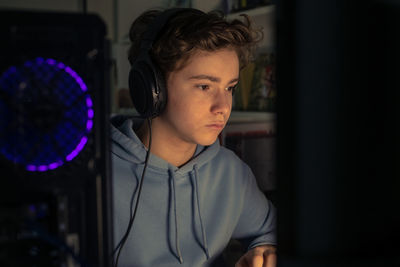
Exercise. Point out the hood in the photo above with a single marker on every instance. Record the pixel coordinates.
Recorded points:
(127, 145)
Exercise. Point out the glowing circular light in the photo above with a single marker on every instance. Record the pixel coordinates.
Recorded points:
(47, 114)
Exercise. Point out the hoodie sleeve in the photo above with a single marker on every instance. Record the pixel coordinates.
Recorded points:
(257, 222)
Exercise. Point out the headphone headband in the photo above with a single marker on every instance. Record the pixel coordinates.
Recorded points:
(154, 29)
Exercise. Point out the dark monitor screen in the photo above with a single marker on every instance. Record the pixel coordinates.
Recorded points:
(338, 147)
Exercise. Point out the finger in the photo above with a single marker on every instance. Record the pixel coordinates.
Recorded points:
(270, 260)
(257, 260)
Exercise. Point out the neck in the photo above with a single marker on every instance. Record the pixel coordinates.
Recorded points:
(166, 147)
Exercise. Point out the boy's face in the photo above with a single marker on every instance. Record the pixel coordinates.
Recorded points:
(200, 97)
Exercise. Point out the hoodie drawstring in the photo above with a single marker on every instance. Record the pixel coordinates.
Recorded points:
(196, 196)
(196, 199)
(172, 185)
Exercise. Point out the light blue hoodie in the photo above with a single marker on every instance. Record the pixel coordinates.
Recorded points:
(187, 215)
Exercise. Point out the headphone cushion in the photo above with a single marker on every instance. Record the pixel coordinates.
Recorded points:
(147, 88)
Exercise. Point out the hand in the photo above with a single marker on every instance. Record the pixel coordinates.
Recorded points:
(260, 256)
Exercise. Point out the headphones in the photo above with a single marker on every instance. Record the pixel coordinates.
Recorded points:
(147, 84)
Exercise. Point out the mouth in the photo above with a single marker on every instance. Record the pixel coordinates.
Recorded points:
(216, 126)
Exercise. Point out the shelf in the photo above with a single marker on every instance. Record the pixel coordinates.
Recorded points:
(251, 116)
(236, 116)
(255, 12)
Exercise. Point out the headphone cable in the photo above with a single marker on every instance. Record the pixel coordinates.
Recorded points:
(132, 218)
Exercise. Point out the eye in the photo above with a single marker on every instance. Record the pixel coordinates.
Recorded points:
(203, 86)
(231, 88)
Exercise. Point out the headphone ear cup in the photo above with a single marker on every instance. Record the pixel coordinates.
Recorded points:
(147, 88)
(159, 91)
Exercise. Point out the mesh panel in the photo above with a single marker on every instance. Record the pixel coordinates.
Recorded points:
(46, 114)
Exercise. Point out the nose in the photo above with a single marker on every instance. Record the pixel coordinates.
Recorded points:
(221, 102)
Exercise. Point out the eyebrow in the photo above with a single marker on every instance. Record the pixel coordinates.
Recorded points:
(209, 77)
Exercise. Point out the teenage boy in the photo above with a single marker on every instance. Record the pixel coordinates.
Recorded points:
(195, 195)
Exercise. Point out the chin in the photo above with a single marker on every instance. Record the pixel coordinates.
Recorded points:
(207, 142)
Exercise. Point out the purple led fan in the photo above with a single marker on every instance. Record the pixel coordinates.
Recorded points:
(46, 114)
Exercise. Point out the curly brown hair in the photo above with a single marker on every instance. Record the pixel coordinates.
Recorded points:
(189, 31)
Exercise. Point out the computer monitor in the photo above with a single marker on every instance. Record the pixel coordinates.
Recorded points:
(338, 139)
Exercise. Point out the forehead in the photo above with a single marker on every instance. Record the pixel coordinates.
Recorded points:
(221, 62)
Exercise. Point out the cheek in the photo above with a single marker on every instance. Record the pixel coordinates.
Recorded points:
(185, 104)
(178, 110)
